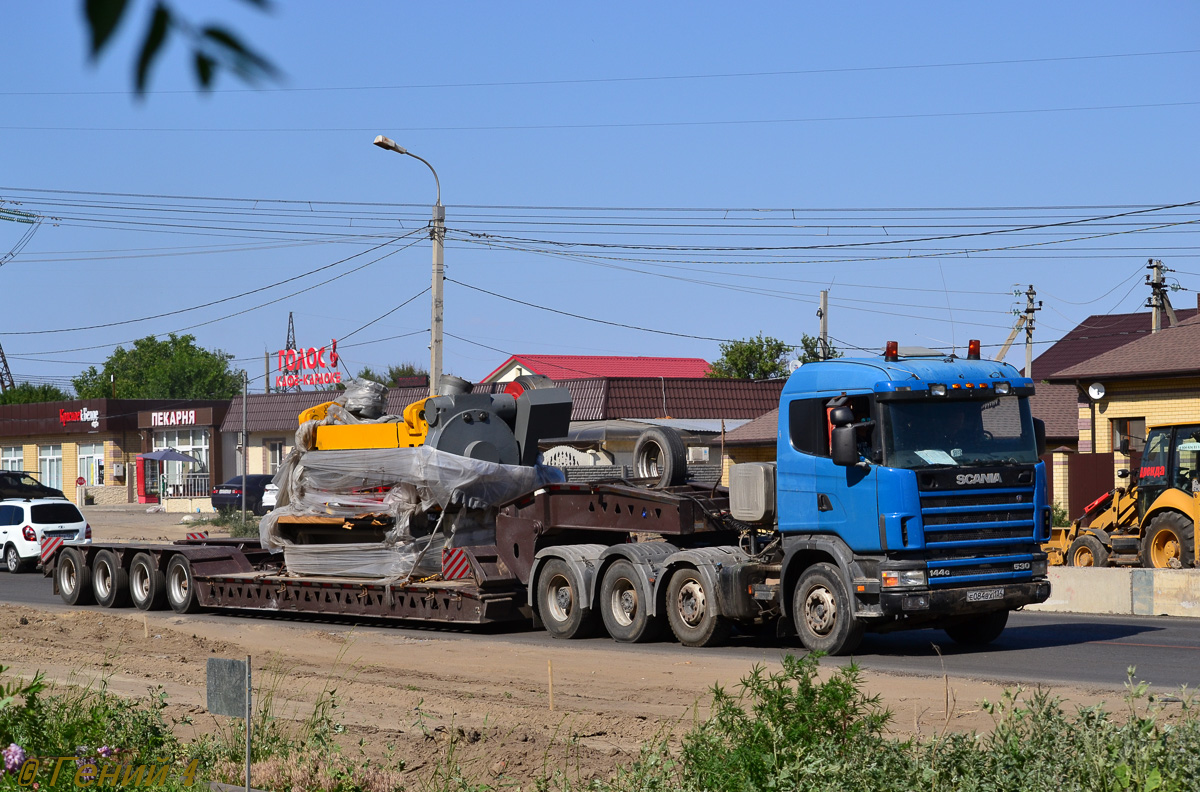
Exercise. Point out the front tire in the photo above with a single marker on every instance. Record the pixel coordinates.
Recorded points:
(74, 577)
(561, 603)
(823, 612)
(979, 630)
(624, 605)
(13, 561)
(1087, 551)
(692, 610)
(181, 586)
(1169, 542)
(147, 585)
(110, 581)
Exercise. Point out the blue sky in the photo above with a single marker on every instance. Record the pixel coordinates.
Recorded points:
(698, 169)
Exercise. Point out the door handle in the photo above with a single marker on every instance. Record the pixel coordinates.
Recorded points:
(823, 502)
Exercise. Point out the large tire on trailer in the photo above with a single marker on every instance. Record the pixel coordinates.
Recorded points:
(13, 561)
(979, 630)
(561, 603)
(692, 610)
(1169, 542)
(1087, 551)
(625, 605)
(74, 577)
(823, 612)
(110, 581)
(147, 584)
(659, 454)
(181, 586)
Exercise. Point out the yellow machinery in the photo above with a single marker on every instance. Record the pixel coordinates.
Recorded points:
(1149, 523)
(409, 433)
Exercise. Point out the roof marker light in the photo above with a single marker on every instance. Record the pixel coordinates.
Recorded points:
(937, 390)
(1002, 388)
(891, 353)
(973, 349)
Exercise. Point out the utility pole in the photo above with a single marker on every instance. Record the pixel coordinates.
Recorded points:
(1158, 301)
(438, 233)
(823, 313)
(266, 372)
(245, 440)
(291, 344)
(1030, 309)
(6, 378)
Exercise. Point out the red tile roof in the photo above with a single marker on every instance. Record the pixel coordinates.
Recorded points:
(576, 366)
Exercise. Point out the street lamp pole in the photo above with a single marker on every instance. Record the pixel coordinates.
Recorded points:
(437, 233)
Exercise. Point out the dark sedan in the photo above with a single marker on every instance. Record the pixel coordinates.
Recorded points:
(228, 496)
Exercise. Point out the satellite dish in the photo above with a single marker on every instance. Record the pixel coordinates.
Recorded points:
(1096, 391)
(794, 364)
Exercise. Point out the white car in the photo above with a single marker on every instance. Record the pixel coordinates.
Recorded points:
(23, 524)
(270, 495)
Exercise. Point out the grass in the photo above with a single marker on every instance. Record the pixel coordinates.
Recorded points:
(786, 729)
(231, 520)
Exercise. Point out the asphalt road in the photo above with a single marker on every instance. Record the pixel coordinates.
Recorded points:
(1050, 648)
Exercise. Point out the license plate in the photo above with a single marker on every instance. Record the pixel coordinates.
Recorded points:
(985, 595)
(224, 491)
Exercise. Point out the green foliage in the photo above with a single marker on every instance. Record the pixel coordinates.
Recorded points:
(1059, 518)
(28, 393)
(810, 350)
(231, 519)
(174, 368)
(213, 48)
(394, 373)
(761, 357)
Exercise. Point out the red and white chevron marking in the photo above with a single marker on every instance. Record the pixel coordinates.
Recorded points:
(198, 535)
(455, 564)
(50, 545)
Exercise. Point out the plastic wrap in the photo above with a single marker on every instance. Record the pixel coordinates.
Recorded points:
(367, 560)
(364, 398)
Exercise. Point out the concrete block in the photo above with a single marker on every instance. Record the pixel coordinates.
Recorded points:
(1089, 590)
(1176, 592)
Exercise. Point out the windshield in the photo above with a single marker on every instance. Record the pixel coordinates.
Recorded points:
(947, 432)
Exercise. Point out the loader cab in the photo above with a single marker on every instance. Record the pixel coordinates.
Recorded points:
(1171, 460)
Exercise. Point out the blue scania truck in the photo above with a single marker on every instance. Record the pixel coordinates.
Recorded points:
(907, 492)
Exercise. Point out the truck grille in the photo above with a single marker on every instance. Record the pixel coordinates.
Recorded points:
(973, 533)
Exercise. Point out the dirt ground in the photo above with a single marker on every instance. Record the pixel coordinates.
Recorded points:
(413, 692)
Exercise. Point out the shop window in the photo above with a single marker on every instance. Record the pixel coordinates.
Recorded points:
(1131, 429)
(50, 465)
(274, 455)
(91, 463)
(185, 477)
(12, 458)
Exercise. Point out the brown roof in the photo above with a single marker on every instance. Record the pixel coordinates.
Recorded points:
(761, 431)
(1095, 336)
(1171, 352)
(1057, 405)
(595, 399)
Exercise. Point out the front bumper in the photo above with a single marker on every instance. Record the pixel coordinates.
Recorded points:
(965, 599)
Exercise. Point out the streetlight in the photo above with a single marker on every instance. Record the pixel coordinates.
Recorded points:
(438, 234)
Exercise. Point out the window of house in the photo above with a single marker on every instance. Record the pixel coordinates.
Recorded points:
(274, 455)
(91, 463)
(12, 458)
(50, 465)
(1131, 429)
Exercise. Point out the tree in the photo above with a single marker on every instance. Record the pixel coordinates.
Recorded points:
(810, 349)
(394, 373)
(213, 47)
(28, 393)
(761, 357)
(174, 368)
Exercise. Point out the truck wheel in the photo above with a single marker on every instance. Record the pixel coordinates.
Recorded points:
(979, 630)
(823, 613)
(181, 586)
(624, 605)
(13, 561)
(74, 578)
(692, 611)
(110, 581)
(1168, 542)
(659, 454)
(1087, 551)
(147, 586)
(560, 602)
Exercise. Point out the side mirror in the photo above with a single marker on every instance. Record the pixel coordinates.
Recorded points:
(1039, 434)
(841, 416)
(1122, 473)
(844, 450)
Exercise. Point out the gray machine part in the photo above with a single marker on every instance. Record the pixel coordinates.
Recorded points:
(497, 427)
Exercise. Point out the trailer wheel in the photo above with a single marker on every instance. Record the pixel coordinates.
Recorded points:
(147, 586)
(692, 610)
(823, 612)
(561, 604)
(74, 578)
(979, 630)
(1087, 551)
(624, 605)
(659, 454)
(181, 586)
(110, 581)
(1168, 542)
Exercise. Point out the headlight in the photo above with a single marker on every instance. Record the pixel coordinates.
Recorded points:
(1038, 568)
(937, 390)
(903, 577)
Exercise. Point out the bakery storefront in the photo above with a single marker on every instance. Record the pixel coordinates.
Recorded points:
(90, 448)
